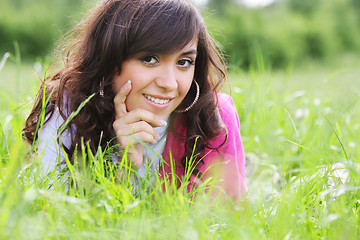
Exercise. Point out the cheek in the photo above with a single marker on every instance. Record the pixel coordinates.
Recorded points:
(117, 82)
(132, 100)
(120, 79)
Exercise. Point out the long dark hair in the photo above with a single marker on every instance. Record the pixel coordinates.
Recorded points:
(113, 32)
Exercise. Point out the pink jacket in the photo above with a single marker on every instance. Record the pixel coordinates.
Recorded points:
(232, 152)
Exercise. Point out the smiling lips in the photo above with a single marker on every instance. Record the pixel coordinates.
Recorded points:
(157, 100)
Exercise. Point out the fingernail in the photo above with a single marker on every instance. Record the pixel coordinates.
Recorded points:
(163, 122)
(128, 83)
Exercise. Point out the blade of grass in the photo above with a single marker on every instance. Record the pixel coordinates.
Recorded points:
(4, 59)
(337, 136)
(297, 135)
(73, 114)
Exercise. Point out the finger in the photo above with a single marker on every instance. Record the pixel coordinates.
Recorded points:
(144, 137)
(119, 100)
(140, 114)
(142, 126)
(133, 140)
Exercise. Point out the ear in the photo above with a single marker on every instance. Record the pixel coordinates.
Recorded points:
(117, 71)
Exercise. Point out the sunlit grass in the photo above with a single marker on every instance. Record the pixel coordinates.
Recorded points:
(296, 128)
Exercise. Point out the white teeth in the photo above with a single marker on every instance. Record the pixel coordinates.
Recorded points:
(157, 100)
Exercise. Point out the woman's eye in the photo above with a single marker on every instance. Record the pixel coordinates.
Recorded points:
(185, 63)
(150, 60)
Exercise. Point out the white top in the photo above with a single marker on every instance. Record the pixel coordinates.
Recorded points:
(153, 152)
(51, 155)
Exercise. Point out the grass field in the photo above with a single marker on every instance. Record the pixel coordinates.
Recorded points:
(301, 135)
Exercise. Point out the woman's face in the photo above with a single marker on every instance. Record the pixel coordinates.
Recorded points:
(159, 81)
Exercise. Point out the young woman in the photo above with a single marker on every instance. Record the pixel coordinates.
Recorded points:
(155, 74)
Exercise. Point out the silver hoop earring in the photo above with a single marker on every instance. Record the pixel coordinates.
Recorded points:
(195, 100)
(101, 91)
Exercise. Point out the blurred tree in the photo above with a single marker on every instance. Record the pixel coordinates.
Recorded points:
(303, 6)
(35, 24)
(356, 5)
(346, 13)
(219, 5)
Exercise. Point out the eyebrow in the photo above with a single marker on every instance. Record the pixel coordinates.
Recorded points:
(189, 53)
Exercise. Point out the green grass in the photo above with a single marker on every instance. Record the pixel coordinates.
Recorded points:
(298, 127)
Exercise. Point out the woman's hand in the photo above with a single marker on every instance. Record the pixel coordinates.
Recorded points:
(138, 123)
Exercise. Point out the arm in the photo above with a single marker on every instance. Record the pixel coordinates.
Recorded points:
(227, 165)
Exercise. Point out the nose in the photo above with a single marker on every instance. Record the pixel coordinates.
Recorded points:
(167, 78)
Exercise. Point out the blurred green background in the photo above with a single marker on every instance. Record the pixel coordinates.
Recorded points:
(35, 24)
(284, 32)
(294, 75)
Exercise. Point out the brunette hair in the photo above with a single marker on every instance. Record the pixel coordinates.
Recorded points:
(113, 32)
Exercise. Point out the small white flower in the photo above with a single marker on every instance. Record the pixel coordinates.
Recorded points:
(347, 119)
(238, 90)
(340, 173)
(317, 101)
(301, 113)
(37, 67)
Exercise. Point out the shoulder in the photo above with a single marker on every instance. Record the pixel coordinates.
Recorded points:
(230, 133)
(224, 100)
(228, 111)
(49, 131)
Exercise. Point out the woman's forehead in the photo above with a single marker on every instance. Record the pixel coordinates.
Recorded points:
(189, 49)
